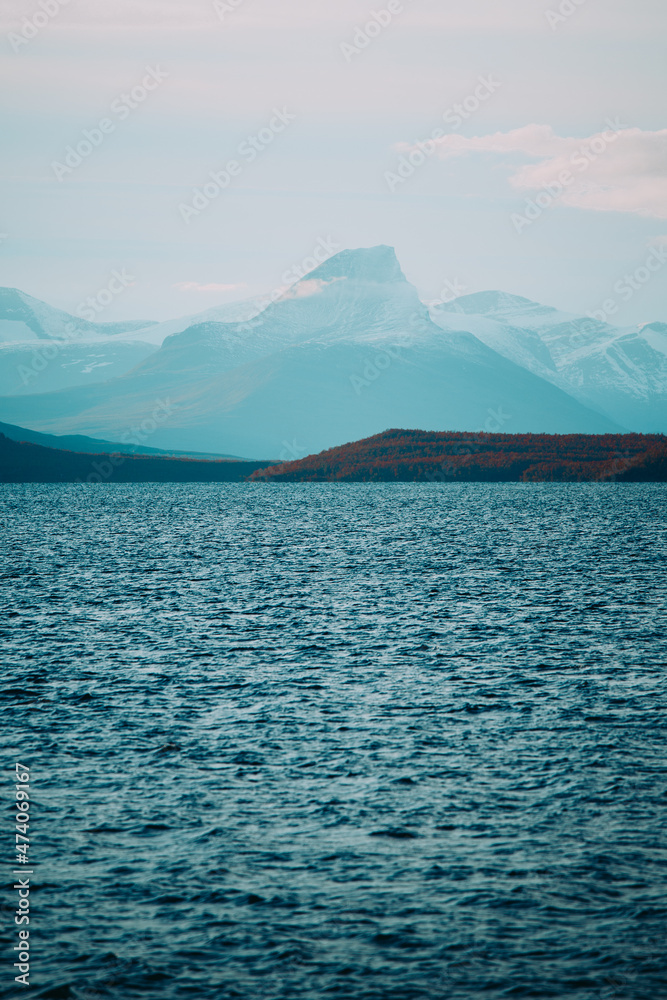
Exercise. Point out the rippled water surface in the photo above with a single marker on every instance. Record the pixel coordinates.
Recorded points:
(373, 742)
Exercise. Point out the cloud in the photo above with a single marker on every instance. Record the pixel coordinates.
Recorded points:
(307, 287)
(194, 286)
(616, 170)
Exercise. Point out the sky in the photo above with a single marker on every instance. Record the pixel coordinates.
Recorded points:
(203, 149)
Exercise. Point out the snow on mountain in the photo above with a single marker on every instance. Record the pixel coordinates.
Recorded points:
(232, 312)
(363, 293)
(347, 352)
(655, 335)
(621, 373)
(24, 318)
(43, 349)
(39, 367)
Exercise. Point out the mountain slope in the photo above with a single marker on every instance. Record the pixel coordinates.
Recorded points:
(44, 349)
(91, 446)
(416, 456)
(21, 462)
(347, 352)
(622, 373)
(42, 366)
(353, 293)
(23, 317)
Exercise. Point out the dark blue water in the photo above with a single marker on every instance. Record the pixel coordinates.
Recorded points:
(369, 742)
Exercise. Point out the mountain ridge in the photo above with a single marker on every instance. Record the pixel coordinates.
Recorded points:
(619, 372)
(82, 444)
(350, 348)
(408, 456)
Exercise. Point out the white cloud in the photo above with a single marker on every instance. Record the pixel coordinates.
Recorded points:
(308, 287)
(615, 170)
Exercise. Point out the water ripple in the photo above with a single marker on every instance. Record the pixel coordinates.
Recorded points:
(376, 742)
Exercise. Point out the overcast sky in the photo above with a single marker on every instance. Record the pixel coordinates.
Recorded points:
(519, 146)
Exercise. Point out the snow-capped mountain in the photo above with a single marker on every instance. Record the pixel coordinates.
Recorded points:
(619, 372)
(43, 349)
(231, 312)
(24, 318)
(356, 293)
(347, 352)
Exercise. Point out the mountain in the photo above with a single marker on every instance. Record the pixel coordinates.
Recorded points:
(621, 373)
(90, 446)
(44, 349)
(231, 312)
(21, 462)
(409, 456)
(348, 351)
(39, 367)
(23, 318)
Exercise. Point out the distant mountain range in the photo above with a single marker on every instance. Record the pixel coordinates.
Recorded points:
(345, 353)
(396, 456)
(22, 462)
(23, 318)
(43, 349)
(91, 446)
(621, 373)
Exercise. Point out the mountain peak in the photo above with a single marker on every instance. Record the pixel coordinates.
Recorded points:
(498, 303)
(377, 264)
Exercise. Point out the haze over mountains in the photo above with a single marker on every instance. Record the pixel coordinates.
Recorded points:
(347, 352)
(622, 373)
(44, 349)
(81, 444)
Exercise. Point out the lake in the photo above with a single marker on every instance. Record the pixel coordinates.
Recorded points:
(376, 742)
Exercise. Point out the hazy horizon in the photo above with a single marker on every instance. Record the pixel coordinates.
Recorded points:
(323, 112)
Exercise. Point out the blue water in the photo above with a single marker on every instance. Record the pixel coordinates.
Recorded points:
(369, 742)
